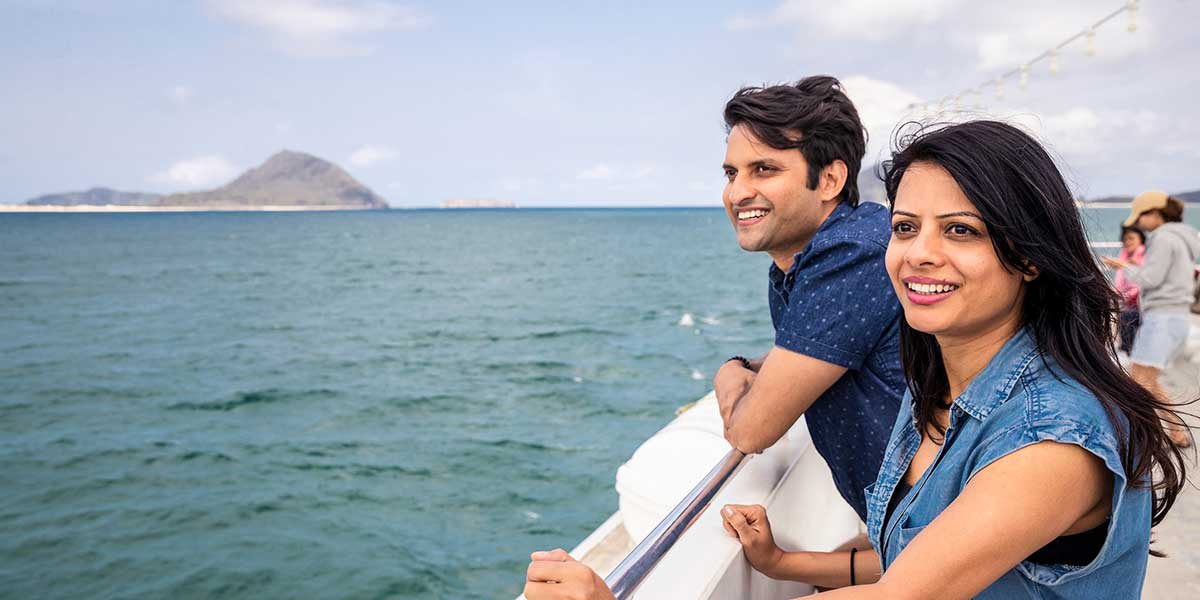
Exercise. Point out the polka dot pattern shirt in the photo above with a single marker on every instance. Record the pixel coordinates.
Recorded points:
(836, 304)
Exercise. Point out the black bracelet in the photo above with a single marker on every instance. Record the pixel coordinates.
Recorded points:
(852, 579)
(741, 359)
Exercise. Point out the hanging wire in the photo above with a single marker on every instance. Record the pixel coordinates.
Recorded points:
(1050, 55)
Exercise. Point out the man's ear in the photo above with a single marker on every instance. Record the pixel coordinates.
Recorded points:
(832, 180)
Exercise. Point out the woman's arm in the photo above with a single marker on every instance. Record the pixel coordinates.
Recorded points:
(1007, 511)
(749, 524)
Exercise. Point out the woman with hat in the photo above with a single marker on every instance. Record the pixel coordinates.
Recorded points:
(1165, 279)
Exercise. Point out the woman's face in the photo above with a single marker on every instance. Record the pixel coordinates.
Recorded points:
(1149, 220)
(1131, 241)
(942, 264)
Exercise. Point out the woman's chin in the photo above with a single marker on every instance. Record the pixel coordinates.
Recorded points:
(924, 324)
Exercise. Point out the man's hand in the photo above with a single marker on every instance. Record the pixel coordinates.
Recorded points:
(731, 383)
(750, 526)
(554, 575)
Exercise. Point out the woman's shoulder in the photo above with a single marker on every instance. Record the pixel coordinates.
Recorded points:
(1055, 406)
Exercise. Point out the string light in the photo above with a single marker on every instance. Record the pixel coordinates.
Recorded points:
(1050, 56)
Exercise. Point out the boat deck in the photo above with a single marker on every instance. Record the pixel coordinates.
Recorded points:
(1177, 577)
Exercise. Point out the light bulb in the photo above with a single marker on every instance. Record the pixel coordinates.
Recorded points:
(1024, 81)
(1091, 42)
(1054, 62)
(1132, 8)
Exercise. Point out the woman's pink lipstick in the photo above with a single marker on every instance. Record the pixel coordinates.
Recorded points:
(926, 299)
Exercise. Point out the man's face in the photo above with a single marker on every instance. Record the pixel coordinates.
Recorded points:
(767, 197)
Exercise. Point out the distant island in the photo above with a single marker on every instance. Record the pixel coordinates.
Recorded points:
(286, 181)
(477, 203)
(1189, 197)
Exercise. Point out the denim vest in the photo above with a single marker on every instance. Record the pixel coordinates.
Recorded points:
(1022, 397)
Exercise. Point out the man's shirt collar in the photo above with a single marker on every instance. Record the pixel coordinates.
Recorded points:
(778, 277)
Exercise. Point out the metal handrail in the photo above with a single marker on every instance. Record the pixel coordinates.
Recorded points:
(629, 574)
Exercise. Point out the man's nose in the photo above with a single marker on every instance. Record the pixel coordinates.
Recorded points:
(737, 190)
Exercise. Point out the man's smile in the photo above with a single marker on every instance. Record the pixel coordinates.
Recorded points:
(751, 216)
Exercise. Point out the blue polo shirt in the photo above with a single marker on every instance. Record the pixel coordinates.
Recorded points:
(836, 304)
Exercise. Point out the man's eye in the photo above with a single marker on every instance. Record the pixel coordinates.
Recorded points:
(763, 169)
(730, 174)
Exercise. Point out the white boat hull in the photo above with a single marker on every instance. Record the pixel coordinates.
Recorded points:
(790, 479)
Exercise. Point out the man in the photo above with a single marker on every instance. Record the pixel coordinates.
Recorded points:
(791, 161)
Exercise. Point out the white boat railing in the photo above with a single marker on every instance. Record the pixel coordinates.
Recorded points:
(628, 575)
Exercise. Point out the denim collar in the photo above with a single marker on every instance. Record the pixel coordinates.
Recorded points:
(994, 385)
(840, 212)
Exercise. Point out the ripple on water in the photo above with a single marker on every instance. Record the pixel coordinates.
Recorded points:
(257, 397)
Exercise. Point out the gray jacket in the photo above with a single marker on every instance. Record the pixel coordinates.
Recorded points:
(1166, 275)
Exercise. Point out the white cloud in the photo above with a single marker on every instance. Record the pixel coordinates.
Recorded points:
(856, 19)
(643, 172)
(597, 172)
(1004, 39)
(198, 172)
(180, 94)
(604, 171)
(1087, 136)
(370, 155)
(321, 27)
(881, 106)
(1001, 35)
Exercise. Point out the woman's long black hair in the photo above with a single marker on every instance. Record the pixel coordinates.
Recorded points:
(1070, 307)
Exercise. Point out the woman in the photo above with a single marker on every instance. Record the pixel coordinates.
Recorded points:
(1025, 463)
(1133, 250)
(1165, 279)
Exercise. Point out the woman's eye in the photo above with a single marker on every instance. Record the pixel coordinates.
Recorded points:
(903, 227)
(958, 229)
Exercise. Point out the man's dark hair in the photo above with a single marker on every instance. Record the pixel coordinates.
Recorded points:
(814, 116)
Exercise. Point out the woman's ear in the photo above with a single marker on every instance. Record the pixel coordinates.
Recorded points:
(1032, 272)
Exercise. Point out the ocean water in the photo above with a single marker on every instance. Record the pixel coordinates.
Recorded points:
(353, 405)
(394, 404)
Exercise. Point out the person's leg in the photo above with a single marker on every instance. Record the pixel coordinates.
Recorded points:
(1129, 321)
(1147, 376)
(1158, 340)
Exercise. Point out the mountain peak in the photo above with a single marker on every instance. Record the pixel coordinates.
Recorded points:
(288, 178)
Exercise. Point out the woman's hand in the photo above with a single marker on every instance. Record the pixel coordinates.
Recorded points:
(750, 526)
(554, 575)
(1114, 263)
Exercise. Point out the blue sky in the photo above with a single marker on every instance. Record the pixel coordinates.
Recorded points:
(555, 103)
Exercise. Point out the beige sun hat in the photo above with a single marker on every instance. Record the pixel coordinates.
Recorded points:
(1146, 201)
